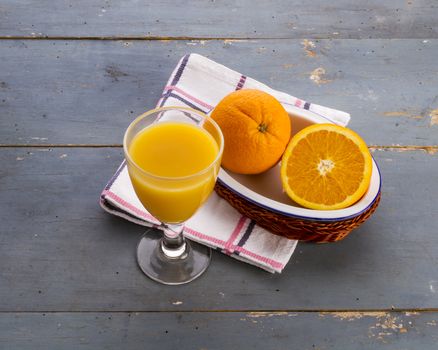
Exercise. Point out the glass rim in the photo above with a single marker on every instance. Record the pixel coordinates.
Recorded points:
(172, 178)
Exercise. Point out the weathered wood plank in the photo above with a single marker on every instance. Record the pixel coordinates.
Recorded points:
(230, 330)
(60, 252)
(89, 91)
(226, 18)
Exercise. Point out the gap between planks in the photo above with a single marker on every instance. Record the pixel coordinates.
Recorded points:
(273, 311)
(171, 38)
(400, 148)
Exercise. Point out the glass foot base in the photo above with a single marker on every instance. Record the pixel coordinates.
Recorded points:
(172, 271)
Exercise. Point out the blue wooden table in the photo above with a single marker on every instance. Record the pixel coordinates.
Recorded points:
(73, 75)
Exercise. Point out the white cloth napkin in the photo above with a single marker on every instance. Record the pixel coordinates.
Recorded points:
(200, 83)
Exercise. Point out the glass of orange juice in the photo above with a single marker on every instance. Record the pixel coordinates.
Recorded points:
(173, 156)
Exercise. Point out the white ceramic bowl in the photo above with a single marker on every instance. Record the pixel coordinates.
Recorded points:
(265, 190)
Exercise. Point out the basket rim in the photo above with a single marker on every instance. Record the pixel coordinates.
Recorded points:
(310, 218)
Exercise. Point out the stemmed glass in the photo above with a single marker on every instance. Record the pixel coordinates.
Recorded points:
(174, 198)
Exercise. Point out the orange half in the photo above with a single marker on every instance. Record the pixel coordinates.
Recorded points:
(326, 167)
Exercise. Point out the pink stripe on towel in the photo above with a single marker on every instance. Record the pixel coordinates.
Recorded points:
(129, 206)
(229, 245)
(219, 242)
(182, 92)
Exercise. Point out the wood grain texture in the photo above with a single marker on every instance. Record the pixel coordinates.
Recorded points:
(87, 92)
(60, 252)
(68, 275)
(235, 330)
(223, 18)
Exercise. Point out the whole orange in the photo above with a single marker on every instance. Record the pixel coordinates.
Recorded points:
(256, 130)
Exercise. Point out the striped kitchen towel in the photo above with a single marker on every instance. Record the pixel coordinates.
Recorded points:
(200, 83)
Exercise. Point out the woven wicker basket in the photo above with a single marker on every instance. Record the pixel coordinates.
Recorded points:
(292, 227)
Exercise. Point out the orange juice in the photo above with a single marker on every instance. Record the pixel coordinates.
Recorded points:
(176, 178)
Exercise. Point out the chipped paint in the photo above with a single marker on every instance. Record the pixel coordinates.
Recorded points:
(19, 158)
(397, 148)
(433, 286)
(390, 322)
(433, 114)
(354, 315)
(431, 323)
(230, 41)
(396, 114)
(431, 150)
(380, 19)
(63, 156)
(196, 42)
(308, 47)
(387, 326)
(308, 44)
(411, 313)
(433, 117)
(370, 96)
(381, 334)
(317, 76)
(266, 314)
(404, 113)
(177, 302)
(288, 65)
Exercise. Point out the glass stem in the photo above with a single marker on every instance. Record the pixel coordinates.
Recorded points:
(173, 244)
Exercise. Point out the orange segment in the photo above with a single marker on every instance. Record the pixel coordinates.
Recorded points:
(326, 167)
